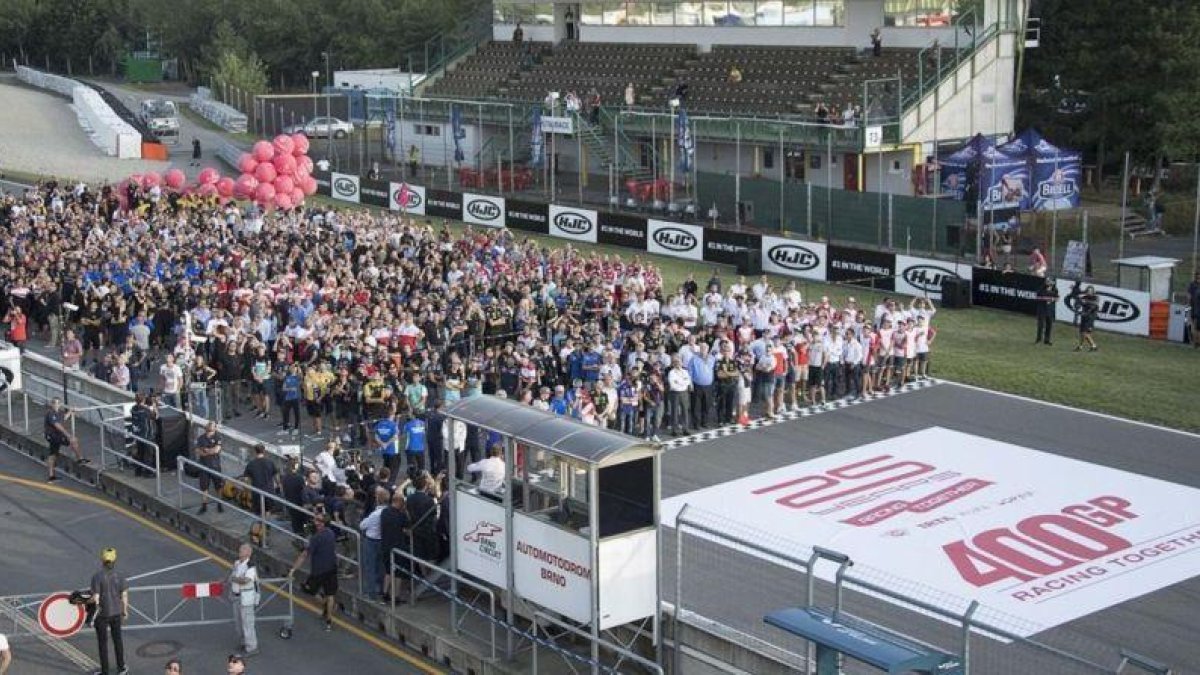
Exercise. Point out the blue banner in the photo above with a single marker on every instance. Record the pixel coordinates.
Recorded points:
(687, 148)
(536, 140)
(1004, 181)
(456, 125)
(1056, 183)
(390, 130)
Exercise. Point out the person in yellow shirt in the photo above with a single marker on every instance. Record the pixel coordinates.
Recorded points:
(317, 382)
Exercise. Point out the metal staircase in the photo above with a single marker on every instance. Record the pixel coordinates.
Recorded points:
(599, 139)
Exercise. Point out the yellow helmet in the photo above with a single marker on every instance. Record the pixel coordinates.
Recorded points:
(108, 555)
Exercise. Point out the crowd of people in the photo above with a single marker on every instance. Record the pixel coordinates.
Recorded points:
(357, 328)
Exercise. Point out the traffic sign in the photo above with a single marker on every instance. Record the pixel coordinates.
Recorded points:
(59, 618)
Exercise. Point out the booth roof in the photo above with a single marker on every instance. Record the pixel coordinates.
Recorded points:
(565, 436)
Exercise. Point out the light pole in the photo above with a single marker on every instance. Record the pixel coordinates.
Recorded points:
(671, 187)
(553, 148)
(328, 127)
(315, 74)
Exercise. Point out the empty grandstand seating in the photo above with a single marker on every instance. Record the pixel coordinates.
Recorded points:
(479, 75)
(775, 80)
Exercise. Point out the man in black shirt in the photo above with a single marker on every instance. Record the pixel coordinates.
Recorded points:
(1047, 301)
(208, 455)
(292, 486)
(55, 429)
(434, 423)
(263, 475)
(110, 594)
(321, 553)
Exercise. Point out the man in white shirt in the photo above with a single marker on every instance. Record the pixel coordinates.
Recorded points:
(679, 386)
(243, 587)
(372, 529)
(171, 378)
(491, 471)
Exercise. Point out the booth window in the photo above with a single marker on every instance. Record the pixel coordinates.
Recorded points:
(627, 497)
(528, 13)
(918, 13)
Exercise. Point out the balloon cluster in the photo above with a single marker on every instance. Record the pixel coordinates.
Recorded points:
(276, 173)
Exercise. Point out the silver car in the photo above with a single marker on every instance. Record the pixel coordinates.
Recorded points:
(322, 127)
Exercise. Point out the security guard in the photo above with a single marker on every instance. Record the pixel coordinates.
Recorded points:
(243, 587)
(110, 593)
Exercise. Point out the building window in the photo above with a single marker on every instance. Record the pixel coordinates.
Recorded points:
(918, 13)
(664, 14)
(427, 130)
(639, 13)
(716, 13)
(530, 14)
(830, 13)
(741, 14)
(768, 158)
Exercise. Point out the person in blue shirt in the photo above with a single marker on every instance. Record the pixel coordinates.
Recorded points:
(291, 400)
(591, 365)
(386, 433)
(575, 364)
(702, 368)
(558, 404)
(414, 442)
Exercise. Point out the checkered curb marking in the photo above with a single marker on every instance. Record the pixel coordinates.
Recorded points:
(809, 411)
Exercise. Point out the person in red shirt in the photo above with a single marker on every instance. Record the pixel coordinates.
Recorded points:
(18, 327)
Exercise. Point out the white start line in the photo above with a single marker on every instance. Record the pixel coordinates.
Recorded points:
(1034, 535)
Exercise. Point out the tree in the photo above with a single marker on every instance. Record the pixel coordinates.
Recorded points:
(246, 73)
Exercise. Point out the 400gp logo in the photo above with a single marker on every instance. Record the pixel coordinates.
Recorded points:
(1113, 308)
(927, 278)
(345, 187)
(675, 239)
(793, 257)
(573, 223)
(483, 209)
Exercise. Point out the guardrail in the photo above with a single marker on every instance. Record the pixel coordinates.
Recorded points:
(261, 516)
(407, 571)
(110, 428)
(225, 116)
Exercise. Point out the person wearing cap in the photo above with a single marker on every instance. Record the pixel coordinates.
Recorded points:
(110, 594)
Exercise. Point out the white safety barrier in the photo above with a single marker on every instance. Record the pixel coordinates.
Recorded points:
(107, 130)
(228, 118)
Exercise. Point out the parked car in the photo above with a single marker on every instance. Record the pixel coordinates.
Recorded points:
(322, 127)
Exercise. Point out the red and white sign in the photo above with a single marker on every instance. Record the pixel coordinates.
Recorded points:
(59, 618)
(1031, 534)
(553, 567)
(204, 590)
(482, 546)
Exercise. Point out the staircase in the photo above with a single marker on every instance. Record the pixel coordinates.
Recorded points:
(599, 142)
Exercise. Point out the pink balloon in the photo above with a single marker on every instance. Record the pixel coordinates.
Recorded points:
(245, 186)
(264, 193)
(265, 172)
(309, 185)
(285, 165)
(299, 144)
(207, 190)
(225, 186)
(284, 184)
(284, 201)
(151, 179)
(208, 176)
(263, 151)
(304, 164)
(283, 145)
(175, 179)
(246, 163)
(297, 196)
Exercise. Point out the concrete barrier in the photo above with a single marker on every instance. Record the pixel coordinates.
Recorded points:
(107, 130)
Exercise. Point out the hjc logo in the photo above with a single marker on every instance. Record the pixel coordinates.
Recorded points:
(675, 239)
(483, 209)
(345, 187)
(927, 278)
(1113, 308)
(793, 257)
(413, 201)
(573, 223)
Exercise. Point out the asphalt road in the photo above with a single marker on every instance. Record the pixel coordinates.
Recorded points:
(51, 538)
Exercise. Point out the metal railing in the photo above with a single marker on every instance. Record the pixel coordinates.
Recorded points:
(408, 571)
(541, 621)
(109, 427)
(262, 516)
(940, 620)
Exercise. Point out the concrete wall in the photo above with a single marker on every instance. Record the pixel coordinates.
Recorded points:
(977, 98)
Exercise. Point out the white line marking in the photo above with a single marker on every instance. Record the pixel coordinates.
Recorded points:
(1148, 425)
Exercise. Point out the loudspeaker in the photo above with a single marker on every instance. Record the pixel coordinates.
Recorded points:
(749, 262)
(956, 293)
(172, 437)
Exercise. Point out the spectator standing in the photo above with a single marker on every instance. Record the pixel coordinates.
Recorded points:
(415, 442)
(393, 530)
(1047, 302)
(110, 594)
(18, 327)
(491, 471)
(372, 542)
(1089, 307)
(1193, 291)
(877, 42)
(680, 386)
(55, 430)
(414, 161)
(290, 403)
(170, 378)
(321, 554)
(263, 475)
(208, 455)
(196, 152)
(702, 370)
(569, 22)
(1037, 262)
(630, 95)
(518, 35)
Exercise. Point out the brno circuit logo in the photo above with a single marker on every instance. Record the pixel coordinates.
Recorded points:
(675, 239)
(793, 257)
(573, 223)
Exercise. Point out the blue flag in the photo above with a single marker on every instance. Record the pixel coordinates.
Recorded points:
(536, 140)
(390, 131)
(683, 135)
(459, 133)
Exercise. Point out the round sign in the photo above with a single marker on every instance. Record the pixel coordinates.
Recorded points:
(59, 618)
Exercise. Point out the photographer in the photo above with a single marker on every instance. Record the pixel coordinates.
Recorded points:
(1087, 307)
